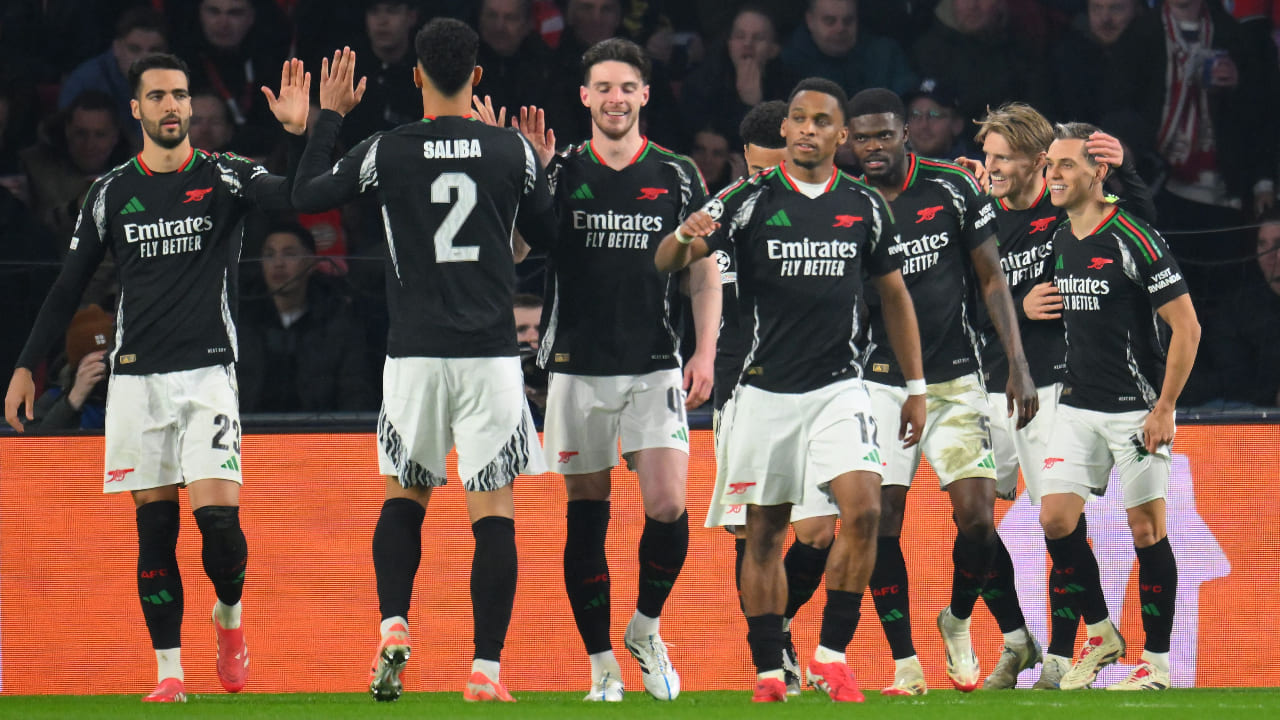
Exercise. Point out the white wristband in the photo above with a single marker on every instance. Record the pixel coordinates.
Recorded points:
(916, 387)
(683, 239)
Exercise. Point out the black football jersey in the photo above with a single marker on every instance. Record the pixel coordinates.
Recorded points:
(451, 191)
(1026, 256)
(731, 344)
(608, 310)
(175, 238)
(942, 217)
(801, 265)
(1112, 282)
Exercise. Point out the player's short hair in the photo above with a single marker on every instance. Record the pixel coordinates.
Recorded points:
(824, 86)
(525, 301)
(292, 228)
(447, 53)
(876, 101)
(159, 61)
(141, 18)
(762, 126)
(1076, 131)
(617, 50)
(1025, 129)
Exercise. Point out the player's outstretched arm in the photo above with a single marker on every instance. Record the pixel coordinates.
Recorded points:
(904, 338)
(315, 188)
(1021, 390)
(687, 244)
(294, 101)
(22, 391)
(1181, 316)
(705, 295)
(486, 114)
(1123, 179)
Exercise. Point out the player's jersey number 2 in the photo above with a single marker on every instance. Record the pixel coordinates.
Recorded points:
(442, 192)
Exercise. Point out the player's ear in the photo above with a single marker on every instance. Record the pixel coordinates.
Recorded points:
(644, 96)
(582, 95)
(476, 74)
(135, 109)
(417, 77)
(842, 136)
(1042, 160)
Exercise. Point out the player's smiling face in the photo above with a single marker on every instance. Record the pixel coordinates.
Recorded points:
(813, 128)
(615, 92)
(879, 141)
(163, 105)
(1009, 171)
(1071, 176)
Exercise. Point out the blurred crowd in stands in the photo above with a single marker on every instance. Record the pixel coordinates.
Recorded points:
(1192, 87)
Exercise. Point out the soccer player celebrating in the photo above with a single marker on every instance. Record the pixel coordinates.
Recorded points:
(1015, 138)
(813, 521)
(614, 355)
(1117, 279)
(170, 217)
(452, 374)
(950, 237)
(798, 423)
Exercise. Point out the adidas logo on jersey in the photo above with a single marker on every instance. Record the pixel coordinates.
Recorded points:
(779, 219)
(231, 464)
(582, 193)
(134, 205)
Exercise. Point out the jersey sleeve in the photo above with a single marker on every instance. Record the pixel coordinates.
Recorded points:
(884, 235)
(88, 247)
(979, 212)
(536, 218)
(694, 188)
(732, 208)
(318, 187)
(1160, 273)
(250, 181)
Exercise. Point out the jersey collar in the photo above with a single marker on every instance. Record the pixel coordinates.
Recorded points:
(142, 168)
(787, 180)
(913, 165)
(640, 154)
(1044, 192)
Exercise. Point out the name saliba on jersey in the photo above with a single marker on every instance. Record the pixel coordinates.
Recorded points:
(168, 237)
(618, 231)
(811, 258)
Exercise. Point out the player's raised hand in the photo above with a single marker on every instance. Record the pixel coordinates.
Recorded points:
(978, 169)
(294, 102)
(698, 224)
(532, 123)
(338, 90)
(1043, 302)
(22, 391)
(911, 421)
(484, 111)
(1105, 149)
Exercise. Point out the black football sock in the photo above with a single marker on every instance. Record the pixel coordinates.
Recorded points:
(1074, 558)
(840, 619)
(767, 641)
(1000, 593)
(663, 548)
(586, 571)
(397, 551)
(804, 565)
(970, 560)
(1064, 606)
(493, 584)
(739, 550)
(889, 592)
(159, 583)
(224, 550)
(1158, 591)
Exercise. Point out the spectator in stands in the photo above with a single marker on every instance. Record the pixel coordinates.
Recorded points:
(1082, 56)
(714, 160)
(1200, 94)
(830, 45)
(937, 129)
(744, 72)
(231, 54)
(211, 124)
(140, 31)
(79, 143)
(973, 48)
(517, 64)
(1245, 340)
(586, 23)
(78, 398)
(302, 346)
(387, 59)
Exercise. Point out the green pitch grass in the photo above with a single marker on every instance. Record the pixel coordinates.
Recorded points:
(1198, 704)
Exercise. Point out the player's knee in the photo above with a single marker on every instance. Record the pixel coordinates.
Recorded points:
(816, 532)
(1057, 525)
(1145, 532)
(863, 524)
(667, 510)
(977, 525)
